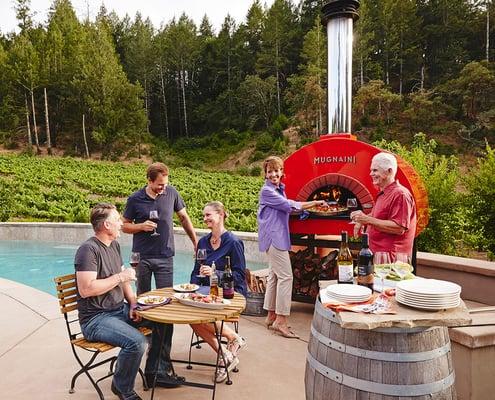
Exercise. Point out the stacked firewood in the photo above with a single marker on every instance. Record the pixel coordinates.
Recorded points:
(256, 280)
(308, 268)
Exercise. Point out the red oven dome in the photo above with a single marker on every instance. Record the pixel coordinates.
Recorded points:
(340, 164)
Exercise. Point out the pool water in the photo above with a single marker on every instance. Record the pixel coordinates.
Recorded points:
(36, 263)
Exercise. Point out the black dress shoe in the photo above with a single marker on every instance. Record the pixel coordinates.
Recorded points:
(167, 381)
(128, 396)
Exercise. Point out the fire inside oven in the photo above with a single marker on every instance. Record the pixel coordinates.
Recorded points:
(340, 202)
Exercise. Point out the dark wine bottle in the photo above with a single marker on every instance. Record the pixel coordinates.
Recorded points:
(365, 264)
(228, 281)
(344, 261)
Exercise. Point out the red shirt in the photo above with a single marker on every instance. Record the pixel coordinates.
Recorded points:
(394, 203)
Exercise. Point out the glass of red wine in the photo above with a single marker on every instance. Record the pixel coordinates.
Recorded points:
(134, 259)
(154, 218)
(201, 256)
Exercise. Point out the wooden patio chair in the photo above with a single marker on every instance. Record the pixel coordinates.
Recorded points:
(67, 295)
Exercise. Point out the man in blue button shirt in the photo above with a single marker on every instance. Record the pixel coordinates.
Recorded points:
(153, 233)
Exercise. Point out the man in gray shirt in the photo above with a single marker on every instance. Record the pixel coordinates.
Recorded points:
(102, 286)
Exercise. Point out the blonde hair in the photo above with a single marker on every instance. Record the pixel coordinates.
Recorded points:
(218, 207)
(272, 162)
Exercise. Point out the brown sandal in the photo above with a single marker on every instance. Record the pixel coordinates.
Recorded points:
(269, 323)
(285, 332)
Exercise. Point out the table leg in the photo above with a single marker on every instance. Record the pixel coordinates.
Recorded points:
(161, 333)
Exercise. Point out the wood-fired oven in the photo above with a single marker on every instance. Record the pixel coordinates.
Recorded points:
(336, 167)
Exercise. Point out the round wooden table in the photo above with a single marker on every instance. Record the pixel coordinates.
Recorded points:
(178, 313)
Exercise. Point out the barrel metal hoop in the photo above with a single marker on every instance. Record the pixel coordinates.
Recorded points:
(379, 355)
(381, 388)
(326, 313)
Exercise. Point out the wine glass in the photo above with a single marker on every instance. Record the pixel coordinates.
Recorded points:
(201, 256)
(382, 262)
(352, 205)
(154, 217)
(402, 270)
(134, 259)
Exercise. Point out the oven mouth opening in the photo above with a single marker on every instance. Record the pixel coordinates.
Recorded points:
(340, 202)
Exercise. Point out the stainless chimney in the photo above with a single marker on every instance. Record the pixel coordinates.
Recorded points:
(338, 16)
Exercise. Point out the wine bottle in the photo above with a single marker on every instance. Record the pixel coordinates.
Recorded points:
(344, 261)
(228, 281)
(365, 264)
(213, 280)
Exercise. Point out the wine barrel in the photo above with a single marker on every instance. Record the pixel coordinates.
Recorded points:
(379, 364)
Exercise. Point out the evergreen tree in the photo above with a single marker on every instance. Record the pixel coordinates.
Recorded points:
(307, 92)
(277, 56)
(114, 109)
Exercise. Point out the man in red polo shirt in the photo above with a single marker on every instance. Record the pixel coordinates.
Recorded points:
(392, 223)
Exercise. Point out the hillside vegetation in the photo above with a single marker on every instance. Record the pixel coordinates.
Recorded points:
(462, 206)
(119, 87)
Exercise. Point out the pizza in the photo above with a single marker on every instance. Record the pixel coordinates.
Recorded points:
(329, 209)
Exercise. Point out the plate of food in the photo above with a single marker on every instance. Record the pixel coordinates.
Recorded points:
(201, 300)
(152, 300)
(186, 287)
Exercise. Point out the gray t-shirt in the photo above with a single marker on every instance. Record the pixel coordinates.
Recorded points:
(94, 255)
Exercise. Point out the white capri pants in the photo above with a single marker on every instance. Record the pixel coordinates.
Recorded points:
(278, 294)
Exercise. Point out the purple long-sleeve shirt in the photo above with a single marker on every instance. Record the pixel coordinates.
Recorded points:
(273, 217)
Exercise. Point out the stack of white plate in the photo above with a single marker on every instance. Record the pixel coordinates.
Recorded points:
(347, 293)
(428, 294)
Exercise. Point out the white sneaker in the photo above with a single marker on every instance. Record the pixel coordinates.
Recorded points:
(232, 362)
(235, 346)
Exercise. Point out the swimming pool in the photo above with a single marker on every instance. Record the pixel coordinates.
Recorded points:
(36, 263)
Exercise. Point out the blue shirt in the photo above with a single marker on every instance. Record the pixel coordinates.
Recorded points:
(231, 246)
(273, 217)
(137, 210)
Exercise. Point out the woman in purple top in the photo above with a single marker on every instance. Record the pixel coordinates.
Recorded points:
(273, 238)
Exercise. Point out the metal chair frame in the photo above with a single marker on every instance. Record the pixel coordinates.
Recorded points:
(67, 295)
(199, 341)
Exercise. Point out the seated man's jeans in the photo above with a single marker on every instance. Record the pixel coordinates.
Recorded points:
(116, 328)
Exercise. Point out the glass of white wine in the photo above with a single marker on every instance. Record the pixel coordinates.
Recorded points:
(400, 259)
(352, 205)
(383, 266)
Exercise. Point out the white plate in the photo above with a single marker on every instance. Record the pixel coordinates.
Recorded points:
(180, 287)
(424, 298)
(427, 307)
(349, 291)
(429, 287)
(184, 298)
(325, 297)
(152, 300)
(348, 298)
(427, 302)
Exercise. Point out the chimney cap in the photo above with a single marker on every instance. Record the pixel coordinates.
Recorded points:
(339, 8)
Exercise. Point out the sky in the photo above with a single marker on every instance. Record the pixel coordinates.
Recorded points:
(159, 11)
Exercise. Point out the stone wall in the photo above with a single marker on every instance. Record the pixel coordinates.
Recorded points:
(78, 233)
